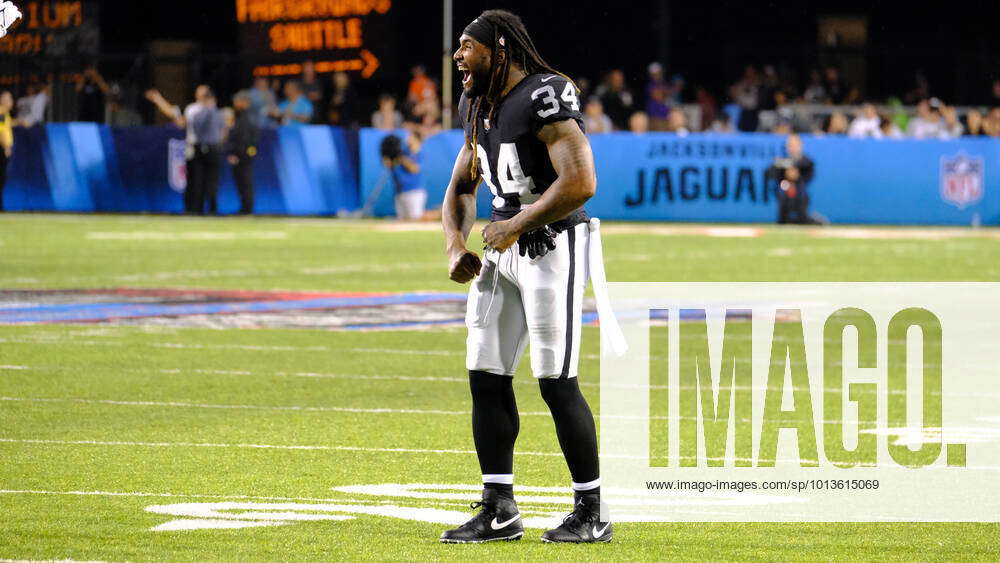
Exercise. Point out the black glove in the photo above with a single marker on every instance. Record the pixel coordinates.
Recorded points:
(537, 243)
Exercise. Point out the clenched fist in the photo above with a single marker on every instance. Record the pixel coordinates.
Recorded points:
(463, 265)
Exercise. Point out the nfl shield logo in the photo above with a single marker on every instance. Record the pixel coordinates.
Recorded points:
(177, 165)
(961, 180)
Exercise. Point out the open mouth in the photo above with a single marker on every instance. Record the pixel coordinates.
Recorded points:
(466, 76)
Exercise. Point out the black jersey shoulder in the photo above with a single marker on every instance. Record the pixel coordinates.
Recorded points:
(547, 98)
(536, 101)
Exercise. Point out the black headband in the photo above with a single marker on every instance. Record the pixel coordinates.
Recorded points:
(482, 31)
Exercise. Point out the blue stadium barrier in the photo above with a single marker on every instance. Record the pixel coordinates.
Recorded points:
(708, 177)
(89, 167)
(658, 176)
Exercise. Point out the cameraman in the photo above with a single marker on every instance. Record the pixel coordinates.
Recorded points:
(402, 158)
(792, 174)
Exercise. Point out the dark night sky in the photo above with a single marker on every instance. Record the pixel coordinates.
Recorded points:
(709, 42)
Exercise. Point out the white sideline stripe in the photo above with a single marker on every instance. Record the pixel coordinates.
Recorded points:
(213, 497)
(14, 368)
(48, 561)
(317, 375)
(329, 448)
(254, 348)
(257, 446)
(246, 407)
(185, 236)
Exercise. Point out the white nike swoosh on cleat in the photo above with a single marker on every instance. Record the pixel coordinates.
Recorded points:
(547, 78)
(599, 533)
(501, 525)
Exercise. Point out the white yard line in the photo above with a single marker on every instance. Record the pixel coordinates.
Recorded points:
(257, 446)
(251, 347)
(48, 561)
(180, 404)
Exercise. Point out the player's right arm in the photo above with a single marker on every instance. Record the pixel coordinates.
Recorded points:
(458, 214)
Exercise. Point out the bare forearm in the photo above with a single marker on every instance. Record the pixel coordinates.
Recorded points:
(458, 212)
(458, 215)
(557, 202)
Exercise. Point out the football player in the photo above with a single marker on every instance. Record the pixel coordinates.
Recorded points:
(524, 139)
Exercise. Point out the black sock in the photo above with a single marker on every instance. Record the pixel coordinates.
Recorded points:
(495, 422)
(578, 494)
(504, 490)
(574, 427)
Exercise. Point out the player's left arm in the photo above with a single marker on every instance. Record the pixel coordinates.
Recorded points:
(576, 182)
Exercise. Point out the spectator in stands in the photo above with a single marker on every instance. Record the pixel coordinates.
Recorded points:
(91, 93)
(119, 114)
(722, 124)
(991, 124)
(242, 149)
(746, 93)
(657, 98)
(638, 122)
(296, 109)
(934, 121)
(677, 122)
(345, 108)
(421, 87)
(427, 115)
(204, 123)
(866, 124)
(835, 124)
(32, 106)
(889, 128)
(677, 84)
(815, 92)
(430, 120)
(616, 99)
(709, 107)
(313, 90)
(594, 119)
(6, 138)
(952, 125)
(262, 102)
(973, 123)
(837, 89)
(387, 117)
(768, 88)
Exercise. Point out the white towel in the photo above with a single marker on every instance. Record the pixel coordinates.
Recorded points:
(611, 332)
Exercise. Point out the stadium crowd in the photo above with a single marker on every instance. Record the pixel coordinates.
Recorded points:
(765, 99)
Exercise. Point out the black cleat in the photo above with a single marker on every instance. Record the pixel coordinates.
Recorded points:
(498, 520)
(583, 525)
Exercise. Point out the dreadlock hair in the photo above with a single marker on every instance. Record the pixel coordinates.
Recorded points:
(511, 37)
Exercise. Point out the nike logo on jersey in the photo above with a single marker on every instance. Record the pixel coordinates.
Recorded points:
(547, 78)
(501, 525)
(599, 533)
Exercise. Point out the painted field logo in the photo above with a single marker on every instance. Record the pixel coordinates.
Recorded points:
(962, 180)
(853, 401)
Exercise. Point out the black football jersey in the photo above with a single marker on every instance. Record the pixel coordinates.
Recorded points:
(512, 161)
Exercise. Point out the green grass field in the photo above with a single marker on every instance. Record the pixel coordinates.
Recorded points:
(100, 422)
